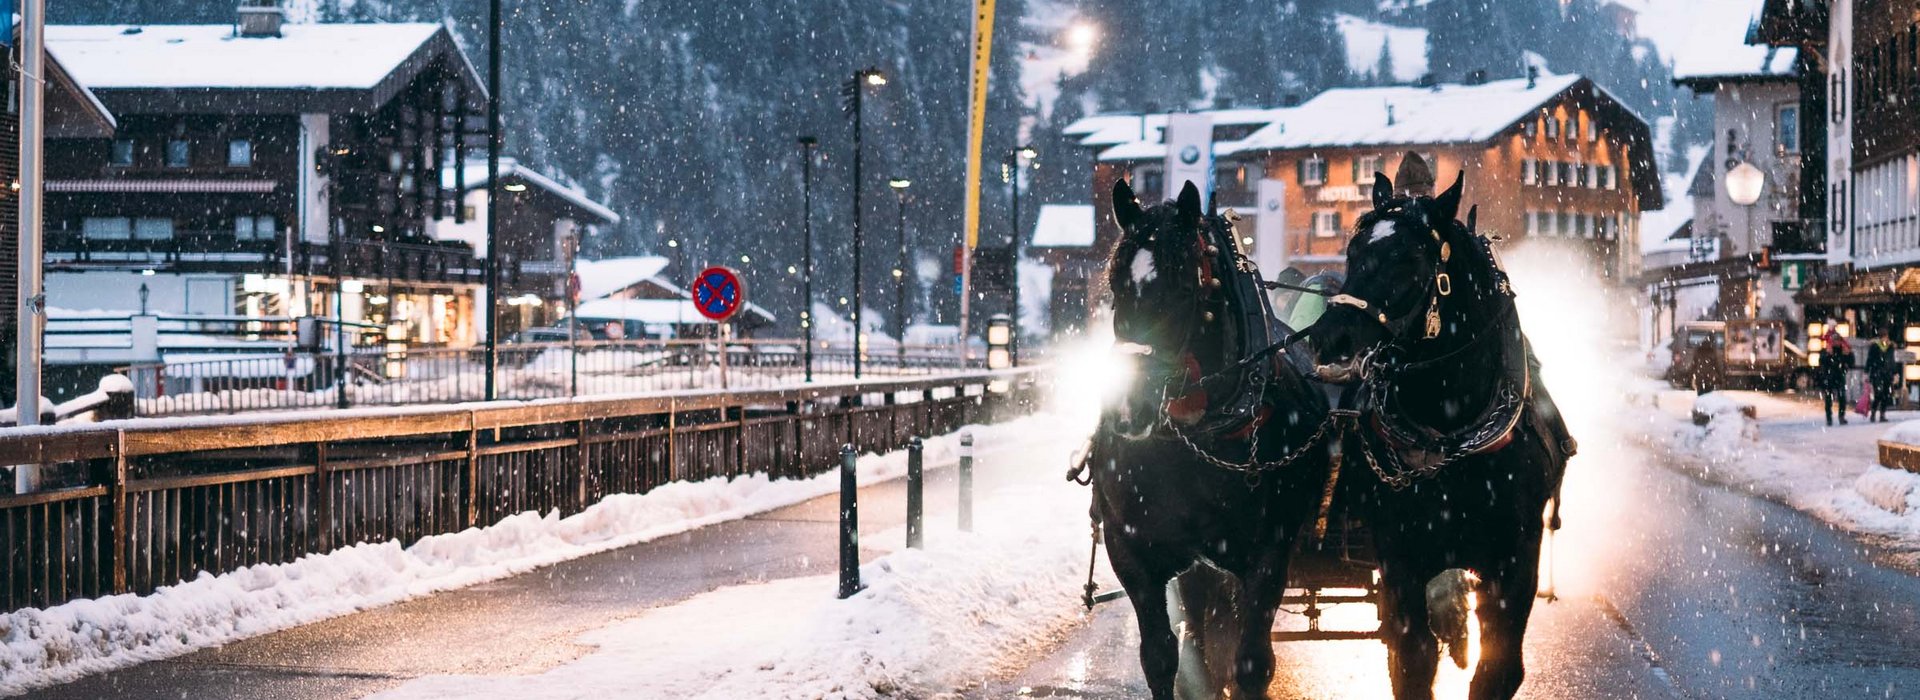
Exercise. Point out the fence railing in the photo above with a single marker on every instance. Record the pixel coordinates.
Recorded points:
(401, 375)
(136, 505)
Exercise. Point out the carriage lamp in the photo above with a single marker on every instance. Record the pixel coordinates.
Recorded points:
(999, 337)
(1844, 329)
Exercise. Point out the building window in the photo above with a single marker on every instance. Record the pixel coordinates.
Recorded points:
(1578, 173)
(1148, 181)
(1363, 169)
(1564, 224)
(1313, 171)
(1570, 174)
(153, 229)
(253, 228)
(122, 155)
(1787, 132)
(1326, 224)
(1532, 221)
(1553, 127)
(179, 153)
(106, 228)
(1530, 128)
(1610, 177)
(1552, 173)
(239, 153)
(1593, 129)
(1528, 176)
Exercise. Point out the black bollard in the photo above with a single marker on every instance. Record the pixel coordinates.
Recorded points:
(849, 525)
(916, 532)
(966, 482)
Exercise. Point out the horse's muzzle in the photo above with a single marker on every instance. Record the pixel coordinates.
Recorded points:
(1348, 372)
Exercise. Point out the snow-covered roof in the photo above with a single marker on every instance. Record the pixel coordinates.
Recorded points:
(599, 278)
(1447, 113)
(1716, 48)
(1406, 45)
(476, 178)
(1115, 129)
(1658, 226)
(662, 311)
(1064, 226)
(216, 56)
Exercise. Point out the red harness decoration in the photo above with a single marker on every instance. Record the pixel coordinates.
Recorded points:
(1189, 409)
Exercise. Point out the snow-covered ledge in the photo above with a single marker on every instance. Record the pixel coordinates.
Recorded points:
(1900, 447)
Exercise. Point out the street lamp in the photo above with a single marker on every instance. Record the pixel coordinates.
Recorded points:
(900, 185)
(1744, 183)
(807, 144)
(1013, 162)
(855, 92)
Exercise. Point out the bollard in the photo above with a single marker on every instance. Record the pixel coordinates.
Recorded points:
(916, 483)
(966, 482)
(849, 525)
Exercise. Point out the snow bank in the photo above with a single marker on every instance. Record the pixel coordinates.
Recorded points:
(43, 647)
(1891, 490)
(1904, 432)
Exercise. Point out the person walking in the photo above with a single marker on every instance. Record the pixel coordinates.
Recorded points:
(1834, 364)
(1882, 371)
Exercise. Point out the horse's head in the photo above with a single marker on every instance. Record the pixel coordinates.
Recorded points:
(1155, 277)
(1396, 264)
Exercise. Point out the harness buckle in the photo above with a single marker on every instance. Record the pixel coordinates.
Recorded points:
(1443, 284)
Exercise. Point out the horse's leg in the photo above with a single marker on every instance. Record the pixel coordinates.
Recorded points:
(1260, 593)
(1413, 655)
(1147, 590)
(1506, 603)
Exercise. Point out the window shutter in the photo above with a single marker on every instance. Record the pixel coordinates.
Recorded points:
(1300, 171)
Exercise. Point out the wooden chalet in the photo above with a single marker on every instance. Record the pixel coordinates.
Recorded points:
(542, 224)
(263, 168)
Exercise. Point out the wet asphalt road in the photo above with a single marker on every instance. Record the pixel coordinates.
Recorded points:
(1670, 588)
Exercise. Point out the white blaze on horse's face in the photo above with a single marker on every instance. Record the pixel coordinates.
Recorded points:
(1381, 231)
(1142, 269)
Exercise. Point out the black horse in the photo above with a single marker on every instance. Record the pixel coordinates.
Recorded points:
(1194, 475)
(1459, 450)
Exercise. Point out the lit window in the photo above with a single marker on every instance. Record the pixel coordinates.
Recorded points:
(153, 229)
(106, 228)
(1527, 174)
(239, 153)
(122, 155)
(1313, 171)
(1787, 132)
(253, 228)
(179, 154)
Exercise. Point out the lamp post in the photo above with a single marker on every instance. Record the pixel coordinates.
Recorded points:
(1744, 183)
(1013, 248)
(854, 91)
(900, 185)
(493, 198)
(807, 144)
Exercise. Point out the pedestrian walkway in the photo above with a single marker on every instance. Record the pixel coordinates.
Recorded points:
(529, 623)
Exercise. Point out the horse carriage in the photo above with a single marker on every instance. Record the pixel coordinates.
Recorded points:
(1405, 459)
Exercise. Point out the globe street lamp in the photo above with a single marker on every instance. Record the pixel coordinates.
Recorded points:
(854, 91)
(1744, 183)
(900, 185)
(807, 144)
(1014, 158)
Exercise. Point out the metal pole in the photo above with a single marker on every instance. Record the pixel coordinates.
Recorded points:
(916, 487)
(493, 196)
(849, 525)
(573, 311)
(1013, 247)
(32, 118)
(900, 291)
(859, 90)
(338, 253)
(806, 273)
(966, 482)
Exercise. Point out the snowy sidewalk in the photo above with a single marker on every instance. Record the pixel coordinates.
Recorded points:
(1787, 453)
(540, 620)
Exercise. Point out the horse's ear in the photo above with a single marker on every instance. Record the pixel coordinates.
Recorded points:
(1189, 204)
(1382, 190)
(1446, 207)
(1473, 219)
(1213, 202)
(1126, 207)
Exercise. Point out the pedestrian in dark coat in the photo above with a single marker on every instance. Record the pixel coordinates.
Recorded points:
(1835, 360)
(1882, 371)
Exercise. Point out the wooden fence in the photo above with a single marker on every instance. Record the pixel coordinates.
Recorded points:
(163, 502)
